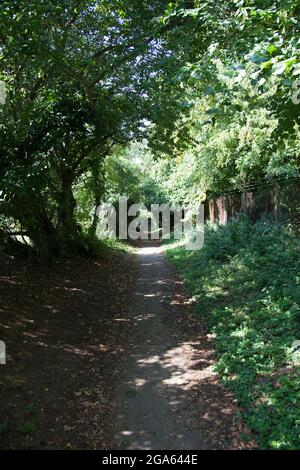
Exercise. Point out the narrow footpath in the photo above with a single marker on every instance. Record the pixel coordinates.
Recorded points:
(168, 396)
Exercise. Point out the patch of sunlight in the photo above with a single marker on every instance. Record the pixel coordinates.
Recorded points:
(184, 362)
(149, 360)
(150, 250)
(241, 333)
(175, 244)
(182, 301)
(78, 351)
(140, 382)
(186, 365)
(144, 317)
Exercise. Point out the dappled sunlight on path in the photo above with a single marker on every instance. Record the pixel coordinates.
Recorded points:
(169, 397)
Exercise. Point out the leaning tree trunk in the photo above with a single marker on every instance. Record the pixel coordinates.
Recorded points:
(42, 232)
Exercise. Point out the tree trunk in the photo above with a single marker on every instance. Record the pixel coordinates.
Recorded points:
(98, 189)
(67, 205)
(43, 235)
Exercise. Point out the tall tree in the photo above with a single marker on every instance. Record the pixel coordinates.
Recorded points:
(78, 75)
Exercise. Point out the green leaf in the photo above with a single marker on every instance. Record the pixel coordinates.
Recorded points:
(296, 69)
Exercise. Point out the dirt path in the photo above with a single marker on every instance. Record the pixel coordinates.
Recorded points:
(104, 354)
(168, 397)
(62, 332)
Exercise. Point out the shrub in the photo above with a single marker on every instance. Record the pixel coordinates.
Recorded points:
(246, 281)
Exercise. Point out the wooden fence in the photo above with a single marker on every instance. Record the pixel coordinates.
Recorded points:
(280, 201)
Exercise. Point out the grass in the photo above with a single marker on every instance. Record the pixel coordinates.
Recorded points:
(119, 245)
(95, 247)
(246, 281)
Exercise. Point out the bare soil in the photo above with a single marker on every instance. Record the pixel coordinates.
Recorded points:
(62, 333)
(108, 354)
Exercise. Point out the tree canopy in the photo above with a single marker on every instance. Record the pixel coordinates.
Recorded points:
(205, 87)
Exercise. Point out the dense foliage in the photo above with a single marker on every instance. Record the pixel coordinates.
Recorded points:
(72, 96)
(207, 86)
(239, 95)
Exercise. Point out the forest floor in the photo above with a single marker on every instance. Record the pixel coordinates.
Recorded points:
(62, 327)
(108, 354)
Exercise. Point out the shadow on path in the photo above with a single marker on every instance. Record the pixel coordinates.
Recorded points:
(169, 397)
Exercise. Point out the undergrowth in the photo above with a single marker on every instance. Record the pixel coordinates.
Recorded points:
(246, 283)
